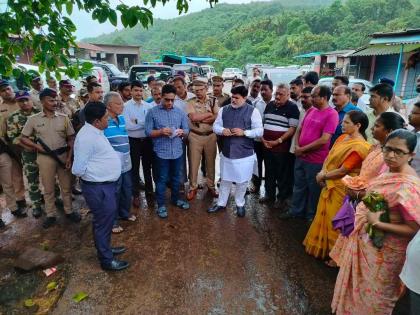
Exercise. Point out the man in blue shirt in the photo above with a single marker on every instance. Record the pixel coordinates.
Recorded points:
(116, 134)
(341, 98)
(167, 125)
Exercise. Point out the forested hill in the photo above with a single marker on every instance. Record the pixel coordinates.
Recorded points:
(270, 32)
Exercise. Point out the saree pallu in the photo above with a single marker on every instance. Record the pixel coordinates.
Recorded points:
(368, 280)
(321, 236)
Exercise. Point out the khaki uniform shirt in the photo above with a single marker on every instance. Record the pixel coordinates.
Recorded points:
(6, 108)
(53, 131)
(210, 105)
(67, 108)
(221, 98)
(35, 99)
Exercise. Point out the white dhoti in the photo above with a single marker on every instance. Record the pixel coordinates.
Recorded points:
(235, 170)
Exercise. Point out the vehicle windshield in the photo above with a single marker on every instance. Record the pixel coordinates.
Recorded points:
(281, 77)
(114, 69)
(182, 67)
(160, 73)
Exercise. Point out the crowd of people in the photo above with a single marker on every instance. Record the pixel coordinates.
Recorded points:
(317, 150)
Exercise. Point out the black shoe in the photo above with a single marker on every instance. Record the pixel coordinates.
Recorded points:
(240, 211)
(37, 212)
(19, 213)
(74, 217)
(118, 250)
(49, 221)
(115, 265)
(2, 224)
(215, 208)
(76, 191)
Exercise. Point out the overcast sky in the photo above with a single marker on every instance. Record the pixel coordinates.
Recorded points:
(86, 27)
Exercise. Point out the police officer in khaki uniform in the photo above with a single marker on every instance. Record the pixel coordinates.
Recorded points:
(37, 86)
(7, 107)
(56, 131)
(66, 104)
(217, 84)
(202, 111)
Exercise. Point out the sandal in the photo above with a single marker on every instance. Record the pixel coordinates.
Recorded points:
(182, 204)
(131, 218)
(117, 229)
(331, 263)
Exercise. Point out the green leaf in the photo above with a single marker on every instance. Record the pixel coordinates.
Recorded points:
(69, 7)
(80, 296)
(28, 303)
(52, 286)
(113, 17)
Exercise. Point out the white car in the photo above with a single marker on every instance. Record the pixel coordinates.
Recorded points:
(368, 85)
(209, 71)
(232, 73)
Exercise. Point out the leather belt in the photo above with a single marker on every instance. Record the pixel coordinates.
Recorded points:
(58, 151)
(86, 182)
(201, 133)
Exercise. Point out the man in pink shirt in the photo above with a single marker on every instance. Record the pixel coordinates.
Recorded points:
(311, 149)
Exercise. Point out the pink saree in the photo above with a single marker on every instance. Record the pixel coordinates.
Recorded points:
(368, 281)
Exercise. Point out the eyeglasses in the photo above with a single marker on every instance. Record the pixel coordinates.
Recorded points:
(169, 99)
(397, 152)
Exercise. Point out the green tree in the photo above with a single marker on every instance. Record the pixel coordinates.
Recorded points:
(44, 27)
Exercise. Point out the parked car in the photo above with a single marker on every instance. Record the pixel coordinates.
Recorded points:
(208, 71)
(112, 71)
(231, 73)
(280, 74)
(368, 85)
(189, 69)
(142, 72)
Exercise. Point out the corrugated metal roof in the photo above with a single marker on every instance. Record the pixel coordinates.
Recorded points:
(201, 59)
(88, 46)
(378, 50)
(397, 40)
(308, 55)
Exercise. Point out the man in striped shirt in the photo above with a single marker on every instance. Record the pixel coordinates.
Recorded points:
(280, 119)
(117, 136)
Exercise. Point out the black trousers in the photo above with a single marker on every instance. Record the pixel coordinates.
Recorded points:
(141, 149)
(278, 174)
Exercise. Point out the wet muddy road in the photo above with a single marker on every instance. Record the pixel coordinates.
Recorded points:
(191, 263)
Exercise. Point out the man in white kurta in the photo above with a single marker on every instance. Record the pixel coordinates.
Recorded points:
(238, 124)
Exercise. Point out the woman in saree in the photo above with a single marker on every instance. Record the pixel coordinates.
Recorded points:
(345, 158)
(372, 167)
(368, 281)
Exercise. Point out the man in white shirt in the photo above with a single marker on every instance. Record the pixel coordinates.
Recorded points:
(135, 111)
(254, 93)
(99, 167)
(381, 96)
(359, 89)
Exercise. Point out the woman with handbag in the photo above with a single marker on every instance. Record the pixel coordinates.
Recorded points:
(368, 282)
(345, 158)
(372, 167)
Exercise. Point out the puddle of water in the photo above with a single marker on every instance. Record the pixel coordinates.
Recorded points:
(18, 287)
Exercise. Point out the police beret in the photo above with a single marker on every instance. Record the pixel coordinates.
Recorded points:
(217, 78)
(22, 95)
(48, 92)
(4, 83)
(64, 83)
(387, 81)
(199, 83)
